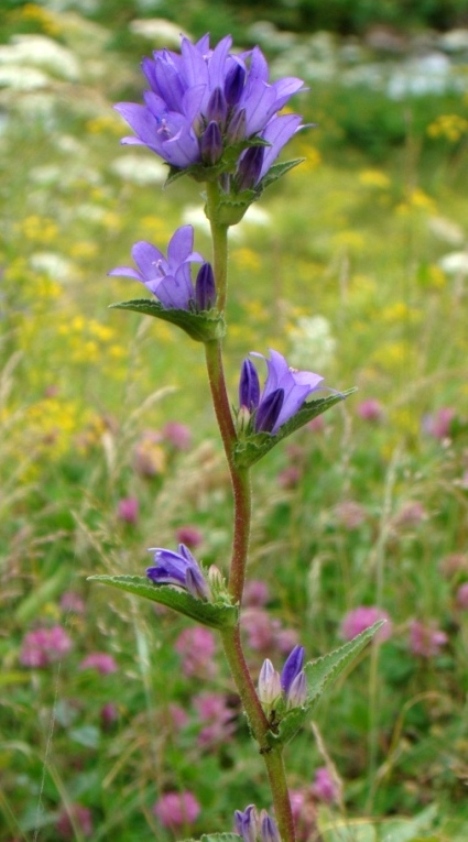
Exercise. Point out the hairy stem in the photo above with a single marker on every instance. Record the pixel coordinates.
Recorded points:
(272, 757)
(240, 481)
(219, 234)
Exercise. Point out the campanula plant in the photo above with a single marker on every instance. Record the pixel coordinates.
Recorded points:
(215, 115)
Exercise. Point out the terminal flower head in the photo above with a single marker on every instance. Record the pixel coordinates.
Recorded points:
(203, 100)
(178, 568)
(284, 392)
(169, 278)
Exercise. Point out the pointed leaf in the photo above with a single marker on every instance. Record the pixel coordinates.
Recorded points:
(319, 674)
(216, 615)
(278, 170)
(202, 327)
(253, 447)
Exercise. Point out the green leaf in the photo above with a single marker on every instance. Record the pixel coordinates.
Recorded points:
(278, 170)
(216, 615)
(202, 327)
(320, 674)
(255, 446)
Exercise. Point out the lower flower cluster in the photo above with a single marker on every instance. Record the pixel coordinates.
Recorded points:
(289, 686)
(253, 826)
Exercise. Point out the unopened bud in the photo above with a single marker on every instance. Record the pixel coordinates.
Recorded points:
(269, 684)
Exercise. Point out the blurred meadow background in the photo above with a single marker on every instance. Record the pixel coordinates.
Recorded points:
(119, 722)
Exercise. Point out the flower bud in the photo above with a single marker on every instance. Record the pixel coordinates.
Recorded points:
(217, 107)
(237, 126)
(269, 684)
(234, 85)
(292, 668)
(247, 823)
(211, 144)
(249, 169)
(297, 693)
(249, 386)
(205, 289)
(268, 411)
(268, 829)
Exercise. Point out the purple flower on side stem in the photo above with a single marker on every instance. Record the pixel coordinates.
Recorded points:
(269, 684)
(255, 827)
(202, 101)
(293, 680)
(169, 278)
(181, 569)
(283, 395)
(290, 685)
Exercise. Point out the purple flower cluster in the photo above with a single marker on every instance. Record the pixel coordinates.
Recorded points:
(253, 826)
(283, 394)
(181, 569)
(290, 685)
(202, 101)
(169, 278)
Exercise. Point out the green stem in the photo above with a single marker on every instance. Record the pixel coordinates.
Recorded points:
(273, 757)
(219, 235)
(240, 481)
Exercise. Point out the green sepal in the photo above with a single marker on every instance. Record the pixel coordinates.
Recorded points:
(211, 172)
(217, 837)
(217, 615)
(203, 327)
(319, 675)
(277, 171)
(253, 446)
(231, 207)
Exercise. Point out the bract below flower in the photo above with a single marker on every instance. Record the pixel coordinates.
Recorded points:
(179, 569)
(283, 395)
(169, 278)
(203, 100)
